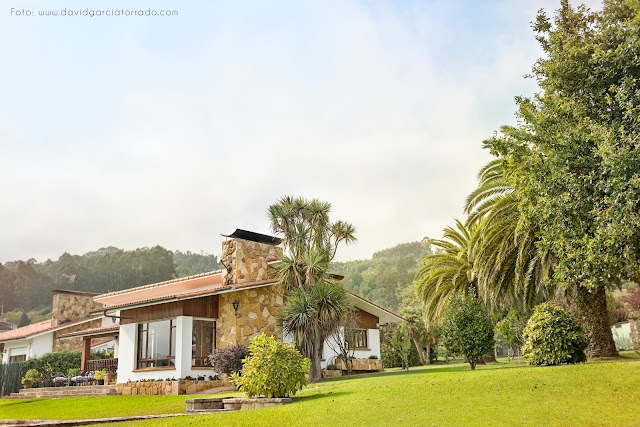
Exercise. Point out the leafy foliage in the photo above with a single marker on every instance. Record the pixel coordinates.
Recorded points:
(228, 360)
(32, 376)
(574, 159)
(60, 361)
(274, 369)
(552, 336)
(467, 328)
(392, 357)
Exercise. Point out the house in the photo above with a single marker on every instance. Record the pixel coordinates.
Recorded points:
(71, 311)
(168, 329)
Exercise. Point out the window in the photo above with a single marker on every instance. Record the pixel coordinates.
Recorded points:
(203, 342)
(19, 358)
(356, 338)
(157, 344)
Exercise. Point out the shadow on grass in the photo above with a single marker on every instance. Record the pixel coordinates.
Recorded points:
(315, 396)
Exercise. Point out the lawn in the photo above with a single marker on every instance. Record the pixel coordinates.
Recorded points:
(604, 393)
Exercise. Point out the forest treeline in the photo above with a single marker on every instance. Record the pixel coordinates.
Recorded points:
(27, 285)
(384, 277)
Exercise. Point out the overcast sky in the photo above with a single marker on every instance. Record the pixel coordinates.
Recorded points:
(142, 131)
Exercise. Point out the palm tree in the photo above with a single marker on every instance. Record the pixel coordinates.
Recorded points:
(449, 270)
(315, 303)
(510, 268)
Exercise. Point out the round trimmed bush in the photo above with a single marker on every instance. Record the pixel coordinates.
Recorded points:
(274, 369)
(552, 336)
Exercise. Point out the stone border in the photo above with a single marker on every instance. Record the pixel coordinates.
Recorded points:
(178, 387)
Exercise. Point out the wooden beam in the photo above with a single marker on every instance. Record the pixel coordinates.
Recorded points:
(86, 353)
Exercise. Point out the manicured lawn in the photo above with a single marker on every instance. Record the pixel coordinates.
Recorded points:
(602, 393)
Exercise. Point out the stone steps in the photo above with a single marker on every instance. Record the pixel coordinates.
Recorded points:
(58, 392)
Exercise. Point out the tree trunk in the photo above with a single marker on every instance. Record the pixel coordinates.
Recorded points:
(315, 373)
(428, 354)
(591, 311)
(419, 348)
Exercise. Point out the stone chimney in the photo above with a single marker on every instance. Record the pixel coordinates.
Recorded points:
(69, 306)
(245, 258)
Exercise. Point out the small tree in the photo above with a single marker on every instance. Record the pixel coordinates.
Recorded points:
(552, 336)
(274, 369)
(511, 329)
(467, 328)
(338, 342)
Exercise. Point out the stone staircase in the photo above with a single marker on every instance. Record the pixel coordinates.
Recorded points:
(58, 392)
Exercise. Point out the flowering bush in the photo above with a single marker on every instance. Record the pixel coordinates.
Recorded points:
(274, 369)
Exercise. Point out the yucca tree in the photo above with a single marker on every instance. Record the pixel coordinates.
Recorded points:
(315, 303)
(449, 270)
(510, 268)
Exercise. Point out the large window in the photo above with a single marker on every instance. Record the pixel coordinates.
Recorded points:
(356, 338)
(157, 344)
(203, 342)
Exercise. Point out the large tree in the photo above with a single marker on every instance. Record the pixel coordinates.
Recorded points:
(574, 158)
(316, 303)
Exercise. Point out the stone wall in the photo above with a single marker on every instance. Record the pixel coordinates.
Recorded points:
(257, 313)
(361, 364)
(247, 261)
(69, 306)
(74, 343)
(179, 387)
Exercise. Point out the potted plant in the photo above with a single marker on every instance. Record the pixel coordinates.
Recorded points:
(99, 375)
(31, 377)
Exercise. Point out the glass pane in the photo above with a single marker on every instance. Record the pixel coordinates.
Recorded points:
(159, 340)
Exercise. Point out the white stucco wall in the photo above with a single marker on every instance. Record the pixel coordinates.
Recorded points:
(41, 344)
(127, 353)
(373, 342)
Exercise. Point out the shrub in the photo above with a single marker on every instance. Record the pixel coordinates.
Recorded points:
(228, 360)
(552, 336)
(60, 361)
(332, 367)
(274, 369)
(467, 329)
(32, 376)
(373, 357)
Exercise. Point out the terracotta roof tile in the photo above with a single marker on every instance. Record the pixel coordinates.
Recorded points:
(153, 285)
(209, 291)
(38, 328)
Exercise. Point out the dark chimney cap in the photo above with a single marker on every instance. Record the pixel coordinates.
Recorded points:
(254, 237)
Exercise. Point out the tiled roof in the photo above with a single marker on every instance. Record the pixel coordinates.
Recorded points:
(92, 331)
(190, 294)
(38, 328)
(153, 285)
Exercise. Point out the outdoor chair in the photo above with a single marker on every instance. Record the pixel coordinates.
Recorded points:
(58, 379)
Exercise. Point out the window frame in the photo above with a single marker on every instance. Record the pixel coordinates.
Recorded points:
(363, 335)
(203, 357)
(144, 363)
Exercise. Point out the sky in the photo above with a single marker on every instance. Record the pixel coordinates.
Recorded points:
(136, 131)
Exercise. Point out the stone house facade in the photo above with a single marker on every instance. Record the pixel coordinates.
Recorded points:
(71, 312)
(167, 329)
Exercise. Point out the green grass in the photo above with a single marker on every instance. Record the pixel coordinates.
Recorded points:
(605, 393)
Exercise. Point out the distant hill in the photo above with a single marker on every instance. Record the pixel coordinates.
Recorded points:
(27, 285)
(382, 278)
